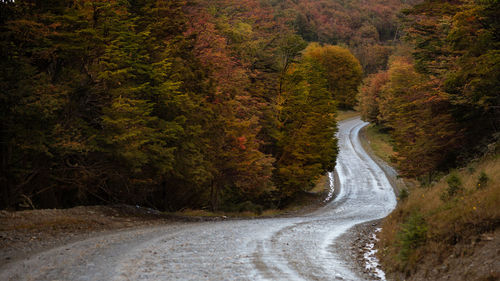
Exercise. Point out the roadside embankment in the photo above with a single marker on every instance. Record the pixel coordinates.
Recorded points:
(24, 233)
(448, 230)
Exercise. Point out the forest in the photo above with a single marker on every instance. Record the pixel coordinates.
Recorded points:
(215, 104)
(439, 97)
(175, 104)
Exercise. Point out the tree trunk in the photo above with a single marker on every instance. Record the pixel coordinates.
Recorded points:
(214, 196)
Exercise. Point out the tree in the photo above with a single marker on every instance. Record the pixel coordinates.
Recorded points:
(369, 96)
(307, 146)
(169, 104)
(424, 133)
(240, 170)
(474, 83)
(426, 26)
(343, 70)
(457, 41)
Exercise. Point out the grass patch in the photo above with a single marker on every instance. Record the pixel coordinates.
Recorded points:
(209, 214)
(380, 142)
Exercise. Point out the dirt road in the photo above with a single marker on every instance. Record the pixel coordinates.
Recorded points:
(299, 248)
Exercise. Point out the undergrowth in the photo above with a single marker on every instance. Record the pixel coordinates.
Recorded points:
(380, 142)
(430, 220)
(412, 234)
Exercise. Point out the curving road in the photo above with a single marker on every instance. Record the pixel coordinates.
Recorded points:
(300, 248)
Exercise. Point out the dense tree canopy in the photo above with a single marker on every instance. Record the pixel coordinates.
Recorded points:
(343, 70)
(306, 147)
(211, 104)
(367, 28)
(169, 104)
(441, 101)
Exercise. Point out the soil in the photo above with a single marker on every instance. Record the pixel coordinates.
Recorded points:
(25, 233)
(354, 243)
(476, 259)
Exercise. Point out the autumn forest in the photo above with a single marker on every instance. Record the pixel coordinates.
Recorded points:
(222, 104)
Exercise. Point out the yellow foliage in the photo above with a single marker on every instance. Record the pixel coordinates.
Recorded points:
(344, 72)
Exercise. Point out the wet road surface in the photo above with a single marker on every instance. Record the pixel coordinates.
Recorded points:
(299, 248)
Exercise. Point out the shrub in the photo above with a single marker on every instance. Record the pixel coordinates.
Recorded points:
(471, 170)
(403, 194)
(482, 181)
(454, 185)
(413, 234)
(248, 206)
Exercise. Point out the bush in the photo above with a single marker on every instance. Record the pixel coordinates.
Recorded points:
(454, 185)
(413, 234)
(482, 181)
(471, 170)
(403, 194)
(248, 206)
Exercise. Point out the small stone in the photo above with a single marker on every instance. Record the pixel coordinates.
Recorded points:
(486, 237)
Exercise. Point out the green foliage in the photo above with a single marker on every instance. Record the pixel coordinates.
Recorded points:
(412, 235)
(457, 42)
(403, 194)
(103, 118)
(454, 185)
(161, 103)
(482, 180)
(307, 148)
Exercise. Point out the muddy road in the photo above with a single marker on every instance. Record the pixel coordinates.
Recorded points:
(299, 248)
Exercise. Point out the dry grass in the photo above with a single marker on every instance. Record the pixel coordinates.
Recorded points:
(197, 213)
(322, 185)
(469, 213)
(59, 222)
(295, 206)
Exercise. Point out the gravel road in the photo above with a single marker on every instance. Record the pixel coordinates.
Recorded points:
(300, 248)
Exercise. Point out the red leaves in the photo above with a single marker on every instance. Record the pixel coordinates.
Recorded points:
(241, 142)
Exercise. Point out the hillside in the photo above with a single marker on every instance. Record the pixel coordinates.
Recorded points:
(449, 230)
